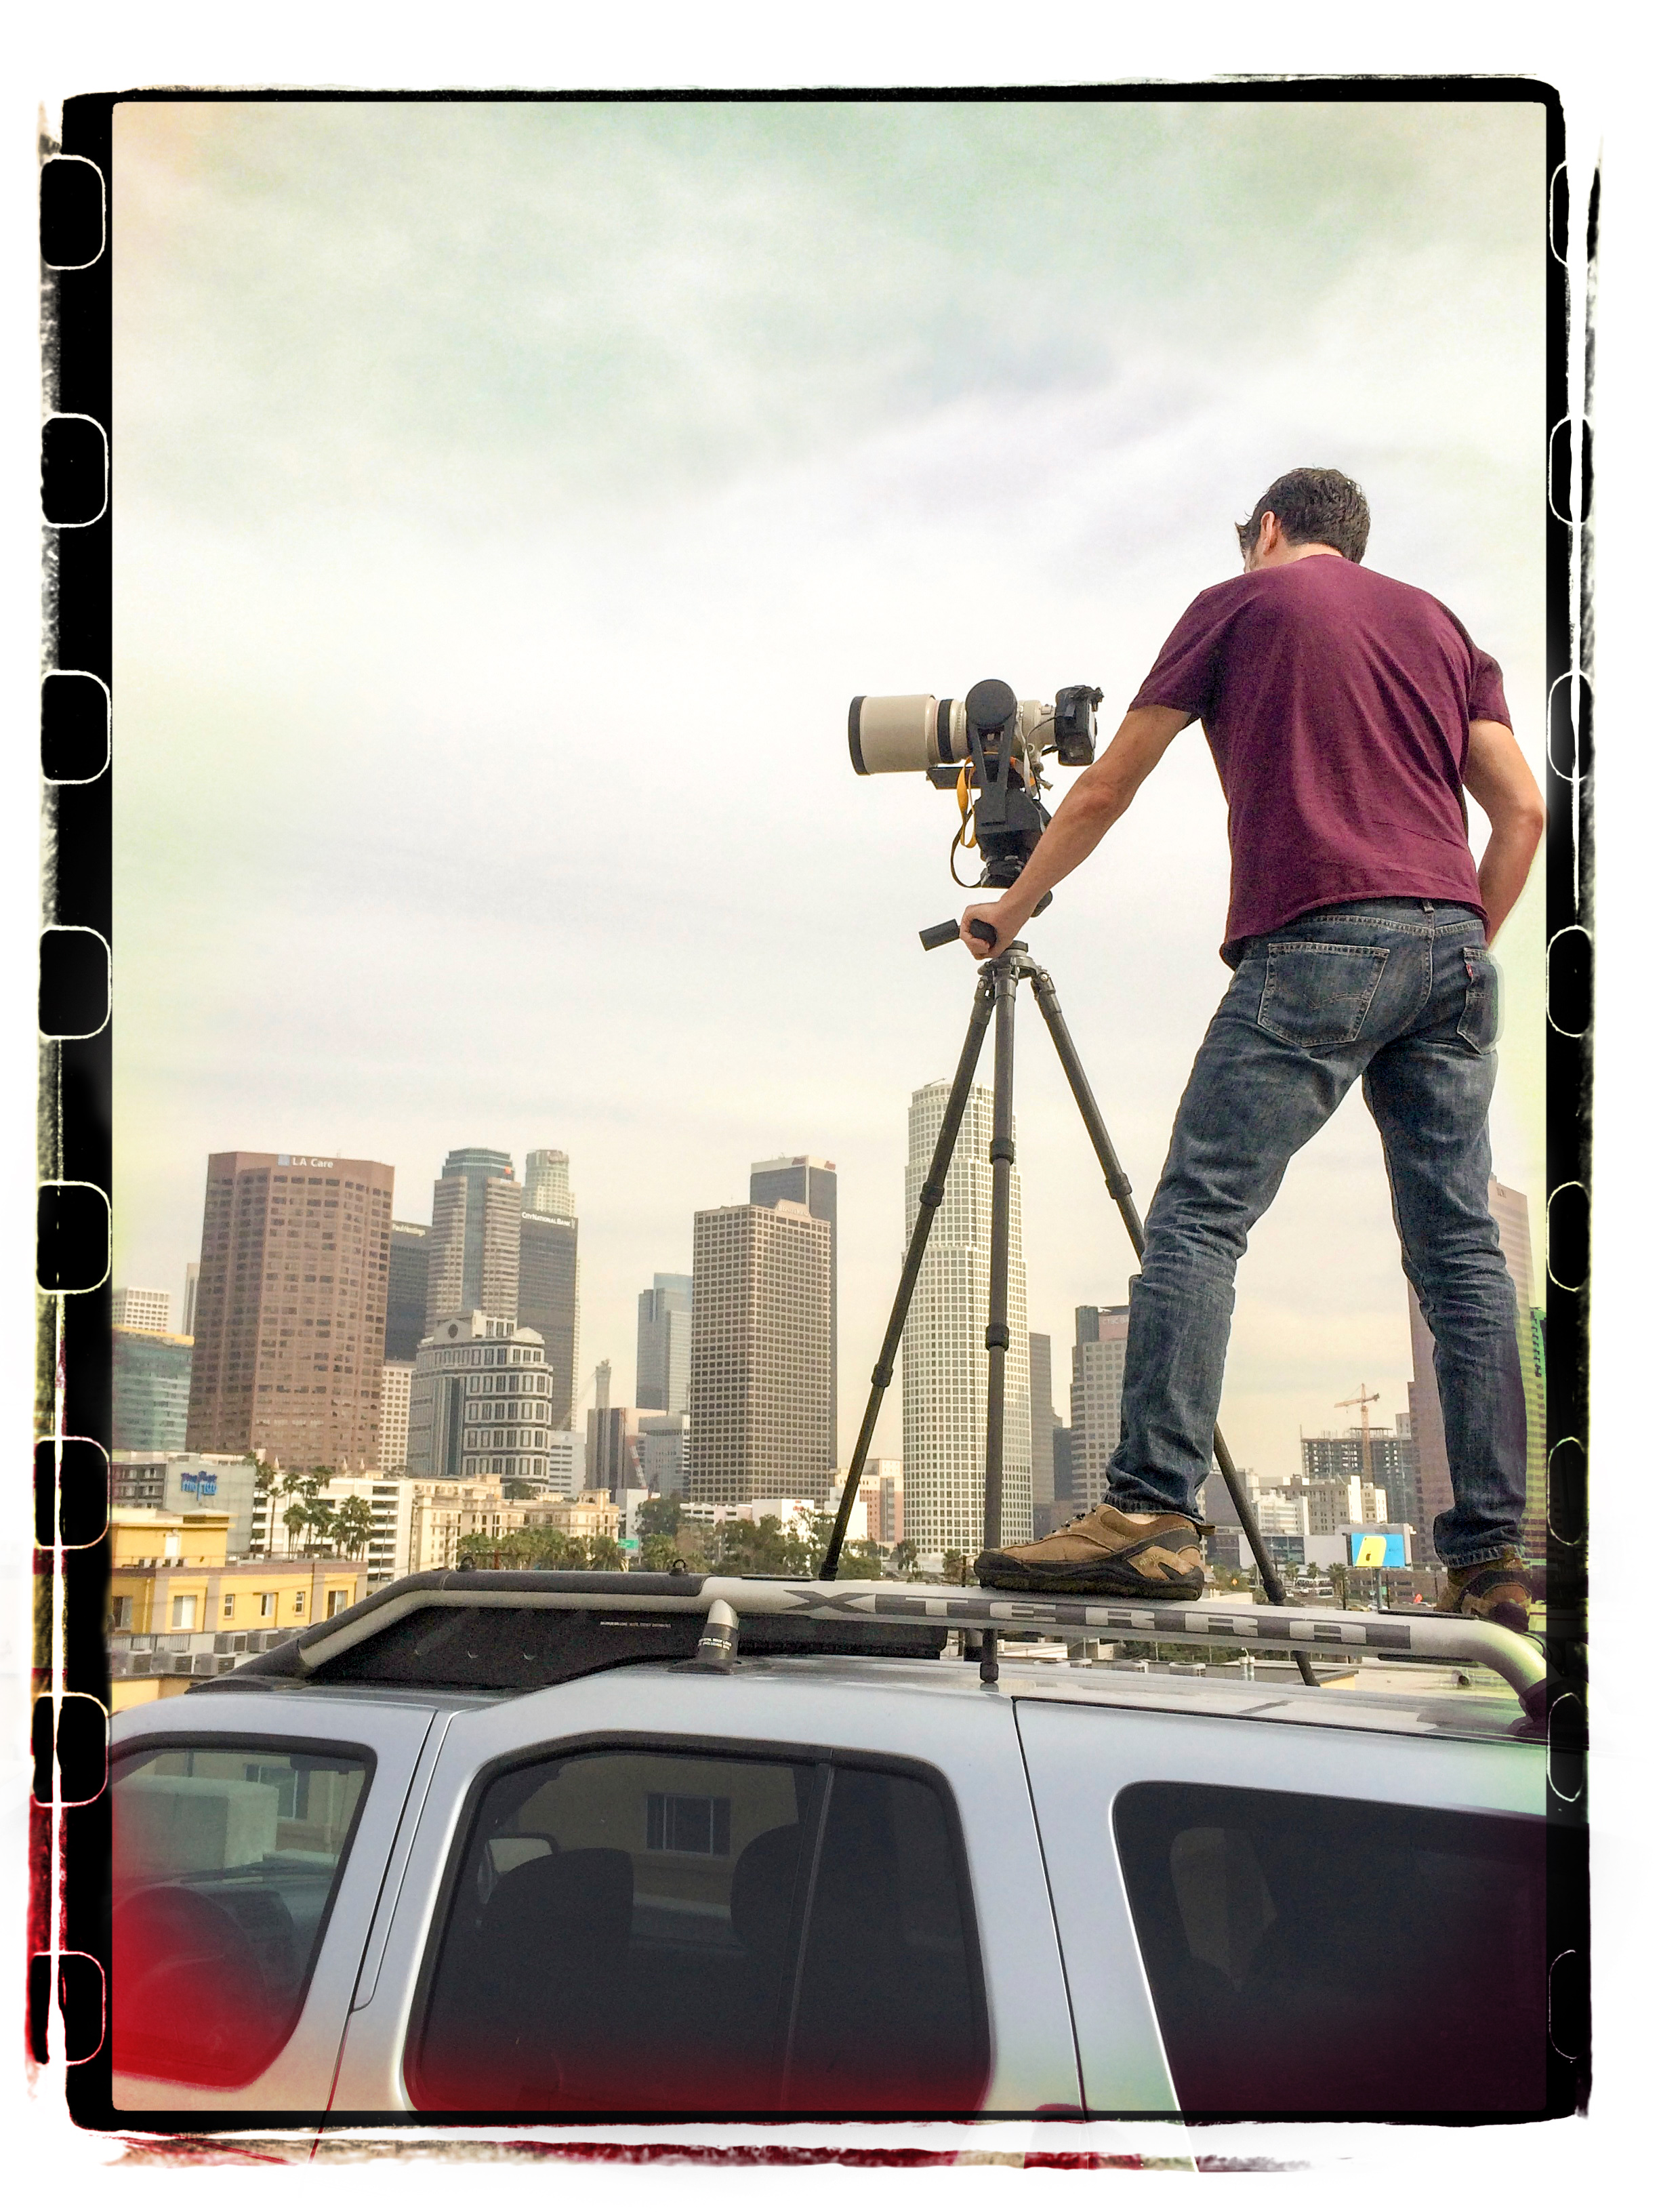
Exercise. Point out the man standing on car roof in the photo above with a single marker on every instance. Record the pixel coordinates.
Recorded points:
(1347, 714)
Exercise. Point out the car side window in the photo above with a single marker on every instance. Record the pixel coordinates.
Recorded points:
(225, 1862)
(1312, 1954)
(657, 1930)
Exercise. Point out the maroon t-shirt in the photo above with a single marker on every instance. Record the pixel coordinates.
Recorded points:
(1337, 703)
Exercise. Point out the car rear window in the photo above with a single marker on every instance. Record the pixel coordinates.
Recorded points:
(225, 1861)
(652, 1931)
(1311, 1954)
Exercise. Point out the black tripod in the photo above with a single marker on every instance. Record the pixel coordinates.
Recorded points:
(998, 982)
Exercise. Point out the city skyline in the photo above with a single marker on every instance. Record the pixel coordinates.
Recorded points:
(1510, 1207)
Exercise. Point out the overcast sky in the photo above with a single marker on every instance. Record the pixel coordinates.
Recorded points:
(510, 497)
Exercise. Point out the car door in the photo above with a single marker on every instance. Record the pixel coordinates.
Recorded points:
(675, 1892)
(251, 1837)
(1274, 1920)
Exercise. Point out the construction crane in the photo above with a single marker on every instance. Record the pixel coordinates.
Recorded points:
(1365, 1401)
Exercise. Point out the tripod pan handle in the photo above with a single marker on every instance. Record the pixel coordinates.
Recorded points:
(947, 932)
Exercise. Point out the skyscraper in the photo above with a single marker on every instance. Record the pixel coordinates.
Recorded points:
(148, 1310)
(149, 1390)
(945, 1358)
(474, 1243)
(547, 1184)
(406, 1289)
(662, 1373)
(811, 1183)
(1042, 1421)
(1509, 1212)
(1102, 1334)
(290, 1310)
(614, 1462)
(548, 1280)
(392, 1456)
(759, 1398)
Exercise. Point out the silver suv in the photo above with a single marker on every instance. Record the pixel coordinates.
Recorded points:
(644, 1846)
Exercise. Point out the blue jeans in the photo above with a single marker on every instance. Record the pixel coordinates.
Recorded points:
(1402, 993)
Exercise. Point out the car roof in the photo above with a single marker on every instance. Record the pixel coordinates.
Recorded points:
(1374, 1698)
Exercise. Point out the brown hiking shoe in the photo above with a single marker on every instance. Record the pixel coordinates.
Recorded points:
(1497, 1590)
(1104, 1553)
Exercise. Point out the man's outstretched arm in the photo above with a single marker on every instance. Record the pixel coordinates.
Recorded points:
(1498, 778)
(1088, 811)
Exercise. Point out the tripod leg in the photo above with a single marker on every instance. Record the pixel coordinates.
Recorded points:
(997, 1337)
(933, 1193)
(1118, 1184)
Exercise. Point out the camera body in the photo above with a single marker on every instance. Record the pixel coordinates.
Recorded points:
(997, 738)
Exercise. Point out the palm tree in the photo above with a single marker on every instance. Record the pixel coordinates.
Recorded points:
(264, 1481)
(354, 1523)
(293, 1487)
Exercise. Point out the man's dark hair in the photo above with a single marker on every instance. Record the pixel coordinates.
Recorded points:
(1315, 507)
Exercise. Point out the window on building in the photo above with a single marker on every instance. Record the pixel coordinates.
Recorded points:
(630, 1924)
(224, 1868)
(183, 1612)
(230, 1605)
(120, 1613)
(338, 1600)
(299, 1600)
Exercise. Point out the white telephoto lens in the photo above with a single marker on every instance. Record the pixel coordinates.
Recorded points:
(891, 735)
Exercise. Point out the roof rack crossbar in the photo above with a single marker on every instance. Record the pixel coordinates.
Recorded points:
(726, 1600)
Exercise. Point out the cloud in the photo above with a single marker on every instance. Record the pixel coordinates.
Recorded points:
(510, 503)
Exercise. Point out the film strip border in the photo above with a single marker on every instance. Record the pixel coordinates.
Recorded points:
(69, 1834)
(1563, 1348)
(68, 1812)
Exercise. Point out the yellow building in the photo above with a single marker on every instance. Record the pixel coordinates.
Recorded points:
(178, 1610)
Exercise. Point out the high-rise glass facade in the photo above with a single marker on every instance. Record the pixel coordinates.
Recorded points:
(149, 1390)
(406, 1289)
(1042, 1420)
(662, 1373)
(548, 1284)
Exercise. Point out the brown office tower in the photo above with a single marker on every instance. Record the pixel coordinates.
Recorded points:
(760, 1355)
(1508, 1211)
(290, 1310)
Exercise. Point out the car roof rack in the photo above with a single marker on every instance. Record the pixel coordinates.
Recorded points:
(488, 1629)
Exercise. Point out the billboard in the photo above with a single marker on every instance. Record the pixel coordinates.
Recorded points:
(1386, 1550)
(200, 1486)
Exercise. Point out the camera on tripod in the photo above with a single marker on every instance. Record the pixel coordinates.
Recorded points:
(988, 748)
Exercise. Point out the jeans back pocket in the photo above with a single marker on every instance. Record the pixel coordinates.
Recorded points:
(1482, 1019)
(1315, 995)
